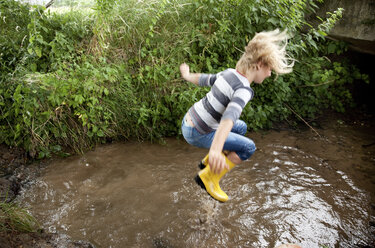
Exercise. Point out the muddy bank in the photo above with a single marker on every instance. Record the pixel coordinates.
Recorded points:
(40, 240)
(11, 161)
(16, 172)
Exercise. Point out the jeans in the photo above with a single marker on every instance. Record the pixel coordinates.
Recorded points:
(236, 141)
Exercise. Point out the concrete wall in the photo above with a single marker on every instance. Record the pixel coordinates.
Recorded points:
(357, 25)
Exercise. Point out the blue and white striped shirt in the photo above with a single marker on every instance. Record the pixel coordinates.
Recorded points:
(229, 94)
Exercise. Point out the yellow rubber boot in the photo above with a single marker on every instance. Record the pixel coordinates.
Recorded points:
(203, 163)
(210, 181)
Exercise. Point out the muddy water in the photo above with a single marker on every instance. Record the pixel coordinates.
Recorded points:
(297, 188)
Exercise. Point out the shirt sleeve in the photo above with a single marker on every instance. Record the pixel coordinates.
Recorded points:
(238, 102)
(207, 79)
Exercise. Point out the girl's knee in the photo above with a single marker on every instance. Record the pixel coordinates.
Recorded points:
(242, 127)
(249, 150)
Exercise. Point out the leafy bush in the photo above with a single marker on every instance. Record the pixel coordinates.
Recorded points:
(55, 40)
(66, 108)
(14, 18)
(78, 80)
(210, 35)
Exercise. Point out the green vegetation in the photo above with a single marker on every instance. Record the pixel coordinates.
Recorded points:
(74, 3)
(71, 80)
(15, 218)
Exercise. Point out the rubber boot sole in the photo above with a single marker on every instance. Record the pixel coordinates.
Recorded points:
(198, 180)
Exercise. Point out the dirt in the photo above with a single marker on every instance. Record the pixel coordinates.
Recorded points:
(16, 171)
(40, 240)
(11, 160)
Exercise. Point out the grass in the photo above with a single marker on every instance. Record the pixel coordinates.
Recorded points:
(15, 218)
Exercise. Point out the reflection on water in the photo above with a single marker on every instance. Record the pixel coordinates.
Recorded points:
(144, 195)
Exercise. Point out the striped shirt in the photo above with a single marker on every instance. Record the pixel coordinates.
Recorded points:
(229, 94)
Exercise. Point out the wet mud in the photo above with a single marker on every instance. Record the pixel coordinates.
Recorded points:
(17, 172)
(314, 191)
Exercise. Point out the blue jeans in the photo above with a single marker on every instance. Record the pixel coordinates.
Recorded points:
(236, 141)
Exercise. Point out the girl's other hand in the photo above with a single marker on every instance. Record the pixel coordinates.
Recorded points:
(217, 162)
(185, 70)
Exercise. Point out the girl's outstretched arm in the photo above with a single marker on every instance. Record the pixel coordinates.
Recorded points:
(191, 77)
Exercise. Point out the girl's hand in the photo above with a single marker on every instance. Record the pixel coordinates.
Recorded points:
(217, 162)
(185, 70)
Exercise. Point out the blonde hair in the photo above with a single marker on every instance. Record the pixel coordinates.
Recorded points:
(269, 49)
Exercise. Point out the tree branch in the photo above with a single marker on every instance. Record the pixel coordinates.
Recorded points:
(303, 120)
(315, 85)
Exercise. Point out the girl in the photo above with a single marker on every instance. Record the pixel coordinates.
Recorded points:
(213, 122)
